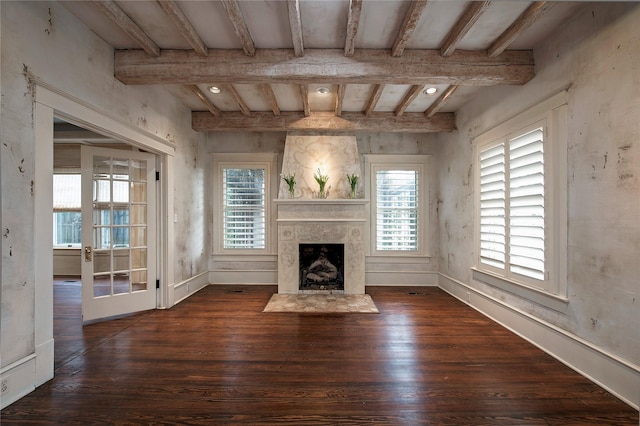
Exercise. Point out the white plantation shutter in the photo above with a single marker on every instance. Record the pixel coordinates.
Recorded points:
(397, 210)
(244, 208)
(526, 205)
(493, 207)
(512, 219)
(521, 204)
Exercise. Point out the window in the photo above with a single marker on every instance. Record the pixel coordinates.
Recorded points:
(398, 193)
(244, 208)
(512, 225)
(521, 200)
(397, 210)
(67, 218)
(242, 188)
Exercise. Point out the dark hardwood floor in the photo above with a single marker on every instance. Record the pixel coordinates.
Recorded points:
(217, 359)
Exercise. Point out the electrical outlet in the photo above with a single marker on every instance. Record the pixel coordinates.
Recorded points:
(469, 296)
(4, 385)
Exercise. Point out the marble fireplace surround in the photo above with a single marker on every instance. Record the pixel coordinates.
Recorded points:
(321, 221)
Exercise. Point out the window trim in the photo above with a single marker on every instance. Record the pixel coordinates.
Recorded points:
(419, 163)
(223, 161)
(552, 292)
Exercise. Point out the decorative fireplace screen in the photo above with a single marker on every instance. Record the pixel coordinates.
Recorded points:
(321, 266)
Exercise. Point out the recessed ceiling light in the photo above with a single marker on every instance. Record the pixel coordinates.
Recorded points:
(322, 90)
(214, 89)
(430, 91)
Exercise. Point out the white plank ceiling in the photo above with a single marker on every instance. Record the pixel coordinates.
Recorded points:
(269, 58)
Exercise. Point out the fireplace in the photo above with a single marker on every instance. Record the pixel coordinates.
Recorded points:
(321, 268)
(317, 223)
(306, 224)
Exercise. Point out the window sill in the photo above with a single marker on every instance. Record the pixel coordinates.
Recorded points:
(552, 301)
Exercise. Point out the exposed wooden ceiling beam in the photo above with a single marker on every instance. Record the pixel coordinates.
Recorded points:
(239, 26)
(122, 20)
(295, 21)
(271, 98)
(287, 121)
(411, 95)
(187, 30)
(353, 21)
(340, 98)
(523, 22)
(373, 100)
(304, 94)
(241, 103)
(441, 101)
(196, 91)
(462, 27)
(408, 25)
(366, 66)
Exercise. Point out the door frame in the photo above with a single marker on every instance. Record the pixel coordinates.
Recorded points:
(50, 102)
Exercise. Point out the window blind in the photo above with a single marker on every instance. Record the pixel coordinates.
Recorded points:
(493, 206)
(512, 222)
(526, 205)
(244, 208)
(66, 192)
(397, 210)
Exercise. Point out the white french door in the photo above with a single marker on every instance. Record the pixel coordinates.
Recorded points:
(118, 232)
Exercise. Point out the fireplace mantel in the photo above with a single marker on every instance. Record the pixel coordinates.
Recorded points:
(321, 221)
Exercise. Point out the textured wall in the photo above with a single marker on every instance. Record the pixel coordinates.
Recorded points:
(595, 56)
(367, 143)
(43, 40)
(335, 156)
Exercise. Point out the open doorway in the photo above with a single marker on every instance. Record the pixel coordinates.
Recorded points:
(51, 102)
(118, 240)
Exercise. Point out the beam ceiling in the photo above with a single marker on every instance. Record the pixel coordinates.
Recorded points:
(472, 68)
(383, 69)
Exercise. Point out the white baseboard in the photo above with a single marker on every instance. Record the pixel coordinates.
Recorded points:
(375, 278)
(401, 278)
(246, 277)
(18, 380)
(45, 359)
(616, 375)
(23, 376)
(186, 288)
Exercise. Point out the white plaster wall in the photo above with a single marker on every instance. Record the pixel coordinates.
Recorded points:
(368, 143)
(595, 56)
(42, 39)
(336, 156)
(191, 206)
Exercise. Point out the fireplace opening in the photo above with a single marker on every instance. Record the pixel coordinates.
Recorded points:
(321, 266)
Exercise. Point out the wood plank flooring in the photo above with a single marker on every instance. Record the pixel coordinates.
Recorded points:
(217, 359)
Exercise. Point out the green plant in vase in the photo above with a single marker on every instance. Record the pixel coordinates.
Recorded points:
(353, 182)
(291, 183)
(322, 181)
